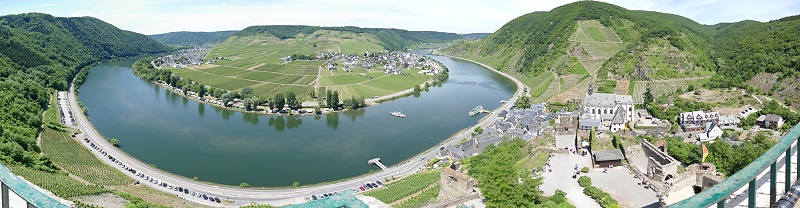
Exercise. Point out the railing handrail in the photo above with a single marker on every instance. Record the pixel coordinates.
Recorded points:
(722, 190)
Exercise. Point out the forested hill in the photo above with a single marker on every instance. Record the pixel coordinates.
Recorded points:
(40, 53)
(534, 42)
(193, 38)
(391, 39)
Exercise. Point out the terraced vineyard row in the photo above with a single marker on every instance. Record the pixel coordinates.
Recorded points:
(59, 183)
(74, 158)
(402, 188)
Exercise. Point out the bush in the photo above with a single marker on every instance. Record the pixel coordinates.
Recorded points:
(584, 181)
(585, 169)
(244, 185)
(601, 197)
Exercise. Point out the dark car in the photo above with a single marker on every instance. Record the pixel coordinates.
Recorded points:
(314, 197)
(204, 196)
(325, 195)
(180, 189)
(379, 183)
(369, 185)
(216, 199)
(374, 185)
(186, 191)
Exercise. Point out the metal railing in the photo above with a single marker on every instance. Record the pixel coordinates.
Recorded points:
(718, 193)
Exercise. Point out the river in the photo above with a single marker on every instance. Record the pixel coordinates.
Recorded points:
(192, 139)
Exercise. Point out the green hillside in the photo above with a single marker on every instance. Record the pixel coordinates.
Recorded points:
(559, 52)
(760, 56)
(391, 39)
(40, 53)
(193, 38)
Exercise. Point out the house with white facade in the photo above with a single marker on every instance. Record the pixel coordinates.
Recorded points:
(696, 120)
(711, 133)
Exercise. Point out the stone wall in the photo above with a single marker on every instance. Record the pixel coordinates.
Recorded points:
(455, 185)
(660, 166)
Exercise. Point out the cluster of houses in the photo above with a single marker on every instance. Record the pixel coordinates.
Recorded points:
(189, 57)
(392, 62)
(515, 123)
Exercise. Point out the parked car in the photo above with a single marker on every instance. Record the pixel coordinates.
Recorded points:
(362, 188)
(379, 183)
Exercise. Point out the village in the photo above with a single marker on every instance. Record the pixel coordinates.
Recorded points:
(583, 136)
(392, 63)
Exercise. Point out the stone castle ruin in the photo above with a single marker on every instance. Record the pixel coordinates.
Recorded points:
(456, 188)
(661, 172)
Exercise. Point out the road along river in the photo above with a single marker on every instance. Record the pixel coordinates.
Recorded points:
(189, 139)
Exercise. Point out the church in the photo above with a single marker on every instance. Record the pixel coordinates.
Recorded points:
(612, 110)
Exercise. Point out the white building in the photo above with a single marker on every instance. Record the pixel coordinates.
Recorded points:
(711, 133)
(609, 108)
(695, 120)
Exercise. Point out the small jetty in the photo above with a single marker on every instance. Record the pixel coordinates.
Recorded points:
(377, 162)
(398, 114)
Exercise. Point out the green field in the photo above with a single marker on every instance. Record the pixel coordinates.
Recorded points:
(254, 61)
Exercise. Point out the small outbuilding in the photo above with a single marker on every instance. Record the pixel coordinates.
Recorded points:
(608, 157)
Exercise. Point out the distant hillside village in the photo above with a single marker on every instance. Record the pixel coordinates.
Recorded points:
(391, 63)
(184, 58)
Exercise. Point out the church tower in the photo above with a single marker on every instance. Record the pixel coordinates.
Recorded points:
(590, 89)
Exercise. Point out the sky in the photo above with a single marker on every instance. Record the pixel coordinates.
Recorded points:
(458, 16)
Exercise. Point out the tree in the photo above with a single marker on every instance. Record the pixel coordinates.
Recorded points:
(185, 89)
(296, 184)
(523, 102)
(291, 100)
(244, 185)
(201, 90)
(648, 96)
(416, 88)
(247, 103)
(226, 98)
(247, 90)
(328, 98)
(690, 88)
(114, 142)
(279, 101)
(335, 99)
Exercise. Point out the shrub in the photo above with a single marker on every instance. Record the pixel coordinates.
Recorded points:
(585, 169)
(601, 197)
(584, 181)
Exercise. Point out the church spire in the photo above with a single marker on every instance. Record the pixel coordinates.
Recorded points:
(590, 89)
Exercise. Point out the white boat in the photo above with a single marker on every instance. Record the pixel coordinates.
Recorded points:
(398, 114)
(503, 101)
(475, 110)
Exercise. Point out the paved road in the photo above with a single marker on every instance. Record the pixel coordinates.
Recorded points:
(241, 196)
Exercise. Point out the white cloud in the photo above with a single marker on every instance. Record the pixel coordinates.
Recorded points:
(465, 16)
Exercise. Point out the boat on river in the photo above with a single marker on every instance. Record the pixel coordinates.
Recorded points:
(398, 114)
(475, 111)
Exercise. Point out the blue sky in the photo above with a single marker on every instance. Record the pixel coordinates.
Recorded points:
(459, 16)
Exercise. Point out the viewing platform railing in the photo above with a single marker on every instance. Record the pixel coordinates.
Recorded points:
(718, 194)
